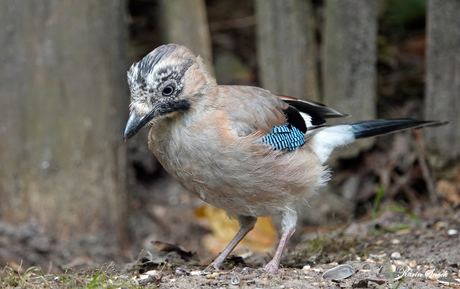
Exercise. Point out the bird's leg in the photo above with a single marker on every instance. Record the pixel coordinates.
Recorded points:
(246, 225)
(273, 265)
(288, 222)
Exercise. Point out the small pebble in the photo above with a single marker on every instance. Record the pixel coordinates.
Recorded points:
(196, 273)
(395, 255)
(338, 273)
(366, 267)
(235, 280)
(449, 281)
(439, 225)
(377, 256)
(395, 241)
(412, 263)
(213, 275)
(452, 232)
(318, 270)
(144, 279)
(180, 271)
(400, 263)
(246, 271)
(152, 273)
(333, 264)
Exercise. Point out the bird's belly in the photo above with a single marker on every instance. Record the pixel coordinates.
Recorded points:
(240, 180)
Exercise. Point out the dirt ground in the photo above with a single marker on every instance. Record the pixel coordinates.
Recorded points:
(421, 246)
(422, 257)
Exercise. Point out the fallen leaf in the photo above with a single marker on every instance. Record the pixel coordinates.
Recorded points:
(223, 229)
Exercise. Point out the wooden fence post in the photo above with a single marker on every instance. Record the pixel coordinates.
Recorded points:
(286, 48)
(185, 22)
(442, 99)
(63, 105)
(349, 61)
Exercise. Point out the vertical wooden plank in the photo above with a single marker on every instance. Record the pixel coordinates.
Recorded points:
(349, 61)
(286, 48)
(63, 104)
(442, 100)
(185, 22)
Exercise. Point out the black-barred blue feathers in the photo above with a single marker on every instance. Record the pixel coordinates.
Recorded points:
(284, 137)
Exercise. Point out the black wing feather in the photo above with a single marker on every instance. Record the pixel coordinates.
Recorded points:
(318, 112)
(294, 118)
(313, 108)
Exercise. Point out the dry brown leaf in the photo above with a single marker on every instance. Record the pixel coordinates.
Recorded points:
(449, 191)
(223, 229)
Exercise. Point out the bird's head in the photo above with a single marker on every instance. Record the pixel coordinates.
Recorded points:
(165, 82)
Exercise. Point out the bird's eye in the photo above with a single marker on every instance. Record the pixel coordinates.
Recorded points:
(168, 90)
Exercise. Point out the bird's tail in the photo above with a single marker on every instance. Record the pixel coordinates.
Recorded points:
(328, 138)
(362, 129)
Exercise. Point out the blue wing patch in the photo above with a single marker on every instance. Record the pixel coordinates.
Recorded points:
(284, 137)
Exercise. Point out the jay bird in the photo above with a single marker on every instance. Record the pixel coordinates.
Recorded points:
(242, 149)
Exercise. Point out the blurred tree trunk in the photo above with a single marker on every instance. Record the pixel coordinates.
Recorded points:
(63, 104)
(350, 56)
(442, 100)
(185, 22)
(286, 47)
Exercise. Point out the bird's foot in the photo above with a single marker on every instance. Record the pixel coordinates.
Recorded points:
(273, 268)
(213, 267)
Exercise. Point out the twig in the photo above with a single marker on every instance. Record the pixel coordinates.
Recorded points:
(420, 148)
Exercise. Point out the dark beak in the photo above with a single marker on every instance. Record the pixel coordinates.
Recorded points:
(136, 122)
